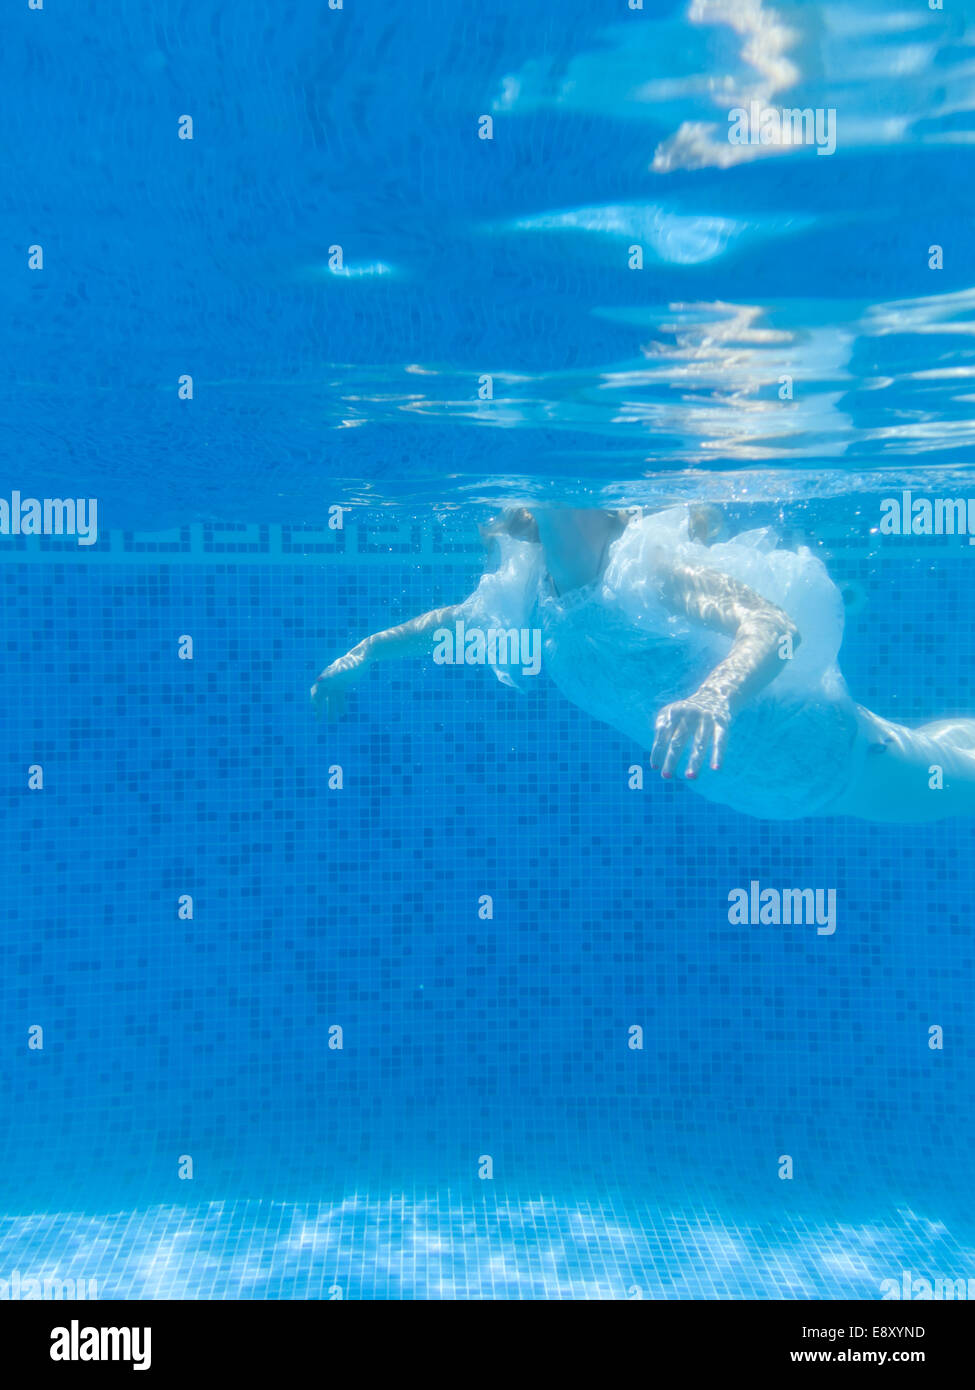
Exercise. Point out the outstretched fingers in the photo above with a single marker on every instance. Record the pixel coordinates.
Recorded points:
(328, 698)
(702, 737)
(679, 732)
(683, 723)
(720, 746)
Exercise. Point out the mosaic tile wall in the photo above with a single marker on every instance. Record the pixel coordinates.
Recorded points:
(210, 1037)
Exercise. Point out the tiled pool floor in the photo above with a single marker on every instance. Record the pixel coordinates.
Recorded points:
(436, 1247)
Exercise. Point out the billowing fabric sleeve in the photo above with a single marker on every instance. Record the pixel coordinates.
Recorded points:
(505, 599)
(794, 580)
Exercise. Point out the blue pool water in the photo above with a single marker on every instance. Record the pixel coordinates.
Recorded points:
(359, 1171)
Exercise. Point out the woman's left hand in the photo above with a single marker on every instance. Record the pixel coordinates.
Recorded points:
(702, 721)
(330, 689)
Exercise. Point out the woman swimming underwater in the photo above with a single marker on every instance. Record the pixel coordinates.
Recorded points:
(720, 655)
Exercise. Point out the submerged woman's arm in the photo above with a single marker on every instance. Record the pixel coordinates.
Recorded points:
(758, 628)
(411, 638)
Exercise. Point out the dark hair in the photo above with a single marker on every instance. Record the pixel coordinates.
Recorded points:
(516, 522)
(520, 524)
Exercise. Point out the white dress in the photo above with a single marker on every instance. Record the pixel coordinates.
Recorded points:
(614, 649)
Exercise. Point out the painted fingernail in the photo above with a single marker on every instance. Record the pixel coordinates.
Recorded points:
(691, 776)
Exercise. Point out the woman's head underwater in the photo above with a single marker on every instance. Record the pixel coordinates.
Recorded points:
(705, 523)
(516, 522)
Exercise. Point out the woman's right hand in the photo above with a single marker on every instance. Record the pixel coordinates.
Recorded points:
(328, 694)
(703, 721)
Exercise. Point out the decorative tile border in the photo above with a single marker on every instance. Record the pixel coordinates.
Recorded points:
(376, 540)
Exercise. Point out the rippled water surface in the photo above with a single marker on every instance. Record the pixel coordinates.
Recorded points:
(465, 258)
